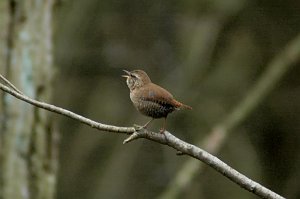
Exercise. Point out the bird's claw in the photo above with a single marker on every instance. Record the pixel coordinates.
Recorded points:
(162, 130)
(138, 127)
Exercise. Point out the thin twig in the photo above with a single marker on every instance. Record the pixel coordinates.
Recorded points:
(166, 138)
(55, 109)
(10, 84)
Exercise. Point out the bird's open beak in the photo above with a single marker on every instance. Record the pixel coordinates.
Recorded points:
(127, 72)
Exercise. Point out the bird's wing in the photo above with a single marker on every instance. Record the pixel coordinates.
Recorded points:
(155, 93)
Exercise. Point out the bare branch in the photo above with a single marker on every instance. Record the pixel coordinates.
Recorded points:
(10, 84)
(166, 138)
(185, 148)
(277, 68)
(55, 109)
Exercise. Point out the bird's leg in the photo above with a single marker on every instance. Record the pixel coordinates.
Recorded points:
(137, 127)
(162, 130)
(145, 125)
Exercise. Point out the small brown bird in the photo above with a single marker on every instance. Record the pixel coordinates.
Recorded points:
(149, 98)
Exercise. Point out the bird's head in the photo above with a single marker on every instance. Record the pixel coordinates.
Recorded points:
(136, 79)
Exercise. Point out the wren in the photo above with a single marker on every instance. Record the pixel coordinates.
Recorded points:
(150, 99)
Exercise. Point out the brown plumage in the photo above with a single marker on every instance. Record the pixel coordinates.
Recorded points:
(149, 98)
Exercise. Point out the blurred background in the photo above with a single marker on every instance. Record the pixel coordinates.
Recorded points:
(209, 54)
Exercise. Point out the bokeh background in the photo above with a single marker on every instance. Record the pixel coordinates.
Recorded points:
(209, 54)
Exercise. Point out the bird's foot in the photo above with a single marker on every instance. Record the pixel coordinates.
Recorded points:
(162, 130)
(138, 127)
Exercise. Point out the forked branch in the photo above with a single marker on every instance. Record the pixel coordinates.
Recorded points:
(166, 139)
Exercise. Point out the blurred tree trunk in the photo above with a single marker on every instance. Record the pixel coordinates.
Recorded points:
(27, 139)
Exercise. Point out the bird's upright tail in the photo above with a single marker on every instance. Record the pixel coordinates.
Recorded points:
(180, 105)
(186, 106)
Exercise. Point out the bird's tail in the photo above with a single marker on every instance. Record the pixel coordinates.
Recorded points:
(180, 105)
